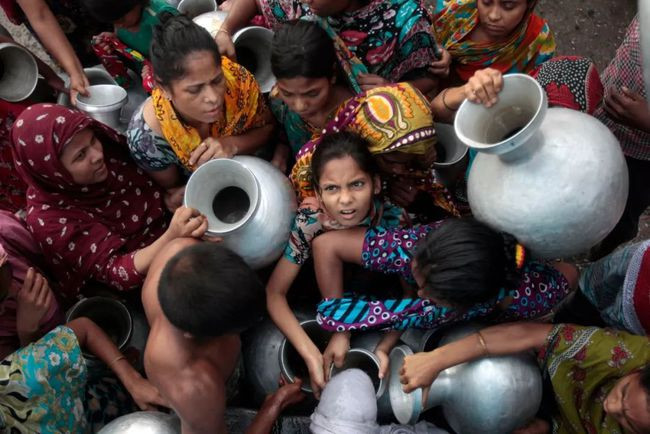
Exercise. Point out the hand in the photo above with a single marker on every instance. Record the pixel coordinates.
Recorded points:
(402, 192)
(146, 71)
(280, 157)
(286, 395)
(536, 426)
(145, 394)
(440, 68)
(78, 85)
(483, 87)
(316, 374)
(384, 362)
(335, 352)
(101, 40)
(418, 370)
(34, 300)
(210, 149)
(187, 222)
(225, 45)
(370, 81)
(225, 6)
(174, 198)
(628, 108)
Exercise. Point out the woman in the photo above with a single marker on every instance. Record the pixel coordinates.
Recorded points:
(204, 107)
(600, 378)
(46, 389)
(377, 41)
(461, 269)
(502, 34)
(92, 212)
(396, 119)
(64, 29)
(28, 309)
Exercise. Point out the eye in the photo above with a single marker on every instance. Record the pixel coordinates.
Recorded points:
(193, 90)
(330, 188)
(358, 184)
(81, 155)
(312, 94)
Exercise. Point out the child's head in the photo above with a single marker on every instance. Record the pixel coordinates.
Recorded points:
(628, 401)
(499, 18)
(304, 62)
(187, 66)
(207, 290)
(124, 14)
(345, 177)
(464, 262)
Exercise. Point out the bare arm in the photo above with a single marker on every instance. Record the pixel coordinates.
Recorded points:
(241, 12)
(43, 68)
(250, 141)
(283, 276)
(419, 370)
(272, 408)
(95, 340)
(330, 251)
(49, 32)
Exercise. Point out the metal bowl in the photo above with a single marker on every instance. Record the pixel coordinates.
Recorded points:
(104, 103)
(143, 422)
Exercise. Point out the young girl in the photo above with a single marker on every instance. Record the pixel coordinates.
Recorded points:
(346, 184)
(502, 34)
(134, 21)
(463, 270)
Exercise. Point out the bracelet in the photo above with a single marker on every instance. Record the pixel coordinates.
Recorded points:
(221, 29)
(444, 92)
(117, 359)
(483, 344)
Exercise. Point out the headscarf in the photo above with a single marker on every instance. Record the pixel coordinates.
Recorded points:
(391, 118)
(348, 405)
(530, 44)
(244, 108)
(636, 291)
(18, 248)
(77, 227)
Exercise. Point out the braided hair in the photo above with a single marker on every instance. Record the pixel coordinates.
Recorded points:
(464, 262)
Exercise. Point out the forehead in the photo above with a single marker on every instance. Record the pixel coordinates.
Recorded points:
(302, 84)
(638, 407)
(198, 66)
(343, 168)
(79, 140)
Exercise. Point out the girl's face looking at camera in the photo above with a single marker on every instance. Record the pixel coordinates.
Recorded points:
(346, 191)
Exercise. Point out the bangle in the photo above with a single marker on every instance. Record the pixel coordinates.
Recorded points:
(444, 92)
(117, 359)
(222, 30)
(483, 344)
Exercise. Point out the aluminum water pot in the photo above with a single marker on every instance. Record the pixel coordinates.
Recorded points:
(18, 72)
(490, 395)
(248, 202)
(211, 21)
(143, 422)
(253, 49)
(554, 178)
(194, 8)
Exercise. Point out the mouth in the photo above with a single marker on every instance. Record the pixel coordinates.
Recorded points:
(494, 29)
(348, 214)
(213, 112)
(101, 170)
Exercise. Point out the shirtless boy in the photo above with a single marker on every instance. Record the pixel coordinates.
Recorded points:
(197, 298)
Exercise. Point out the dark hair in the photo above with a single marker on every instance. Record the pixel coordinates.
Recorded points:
(464, 262)
(645, 379)
(174, 38)
(339, 145)
(302, 49)
(207, 290)
(107, 11)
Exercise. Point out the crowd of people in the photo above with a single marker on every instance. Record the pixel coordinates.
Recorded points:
(351, 121)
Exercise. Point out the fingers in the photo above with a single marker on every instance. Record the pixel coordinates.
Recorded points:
(339, 359)
(327, 364)
(631, 95)
(200, 231)
(425, 396)
(42, 289)
(198, 153)
(383, 365)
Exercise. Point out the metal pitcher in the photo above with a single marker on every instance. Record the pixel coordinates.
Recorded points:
(253, 49)
(18, 72)
(193, 8)
(248, 202)
(554, 178)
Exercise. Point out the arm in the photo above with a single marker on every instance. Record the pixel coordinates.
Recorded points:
(283, 275)
(419, 370)
(330, 251)
(44, 69)
(95, 340)
(241, 12)
(252, 140)
(49, 32)
(272, 407)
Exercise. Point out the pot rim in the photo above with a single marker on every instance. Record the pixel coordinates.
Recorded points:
(514, 141)
(102, 108)
(284, 365)
(446, 164)
(109, 300)
(33, 64)
(413, 400)
(382, 384)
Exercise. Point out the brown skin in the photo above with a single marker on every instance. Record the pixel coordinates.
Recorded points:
(627, 402)
(628, 108)
(198, 99)
(191, 373)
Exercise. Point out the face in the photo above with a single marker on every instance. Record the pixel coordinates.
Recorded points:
(326, 8)
(402, 163)
(499, 18)
(308, 97)
(628, 404)
(199, 95)
(83, 158)
(130, 21)
(346, 191)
